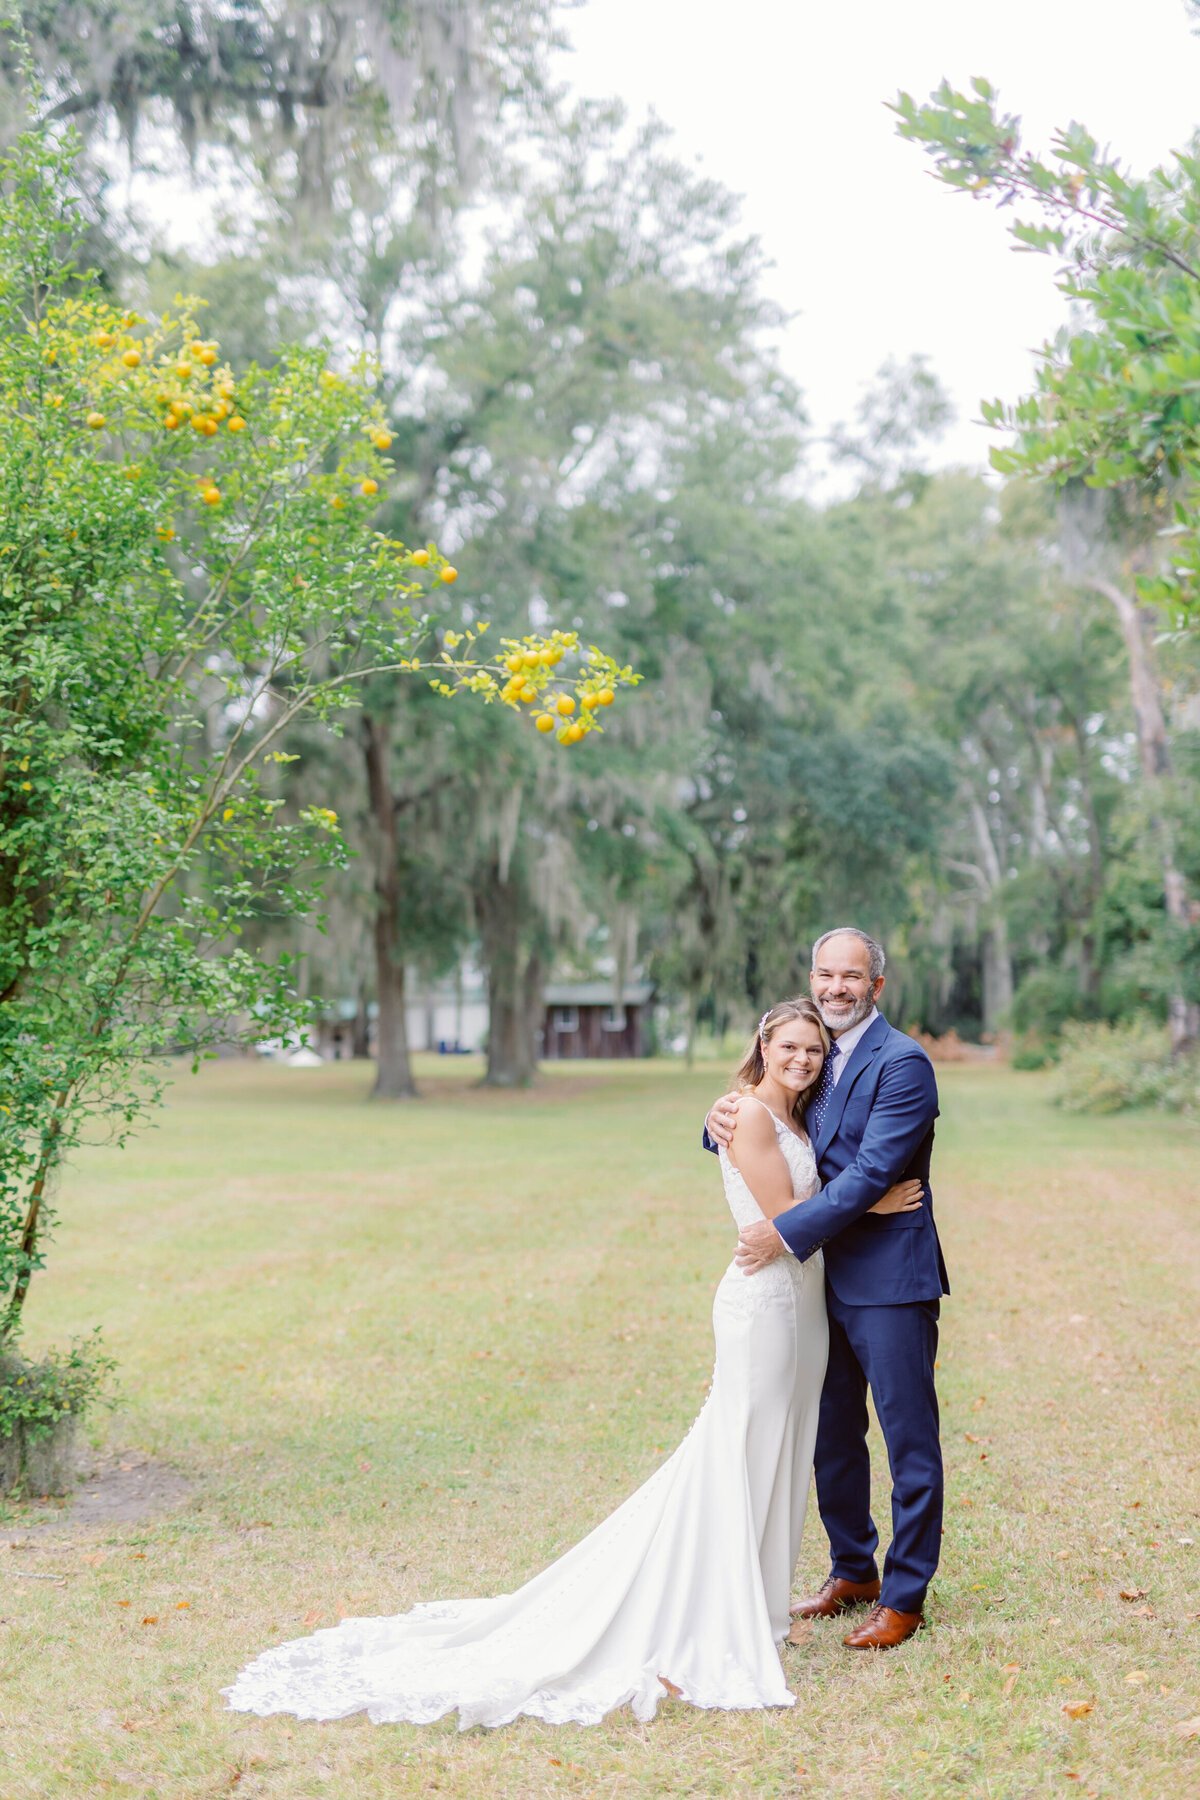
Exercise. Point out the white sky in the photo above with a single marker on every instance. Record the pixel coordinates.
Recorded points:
(784, 102)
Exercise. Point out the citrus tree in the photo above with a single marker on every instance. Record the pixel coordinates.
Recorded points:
(187, 564)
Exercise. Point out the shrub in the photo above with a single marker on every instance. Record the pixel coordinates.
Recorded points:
(1106, 1068)
(36, 1396)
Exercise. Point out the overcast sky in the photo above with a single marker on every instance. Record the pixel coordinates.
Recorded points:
(784, 102)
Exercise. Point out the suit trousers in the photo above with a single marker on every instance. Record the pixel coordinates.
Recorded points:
(890, 1349)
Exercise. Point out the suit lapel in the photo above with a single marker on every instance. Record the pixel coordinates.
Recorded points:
(867, 1046)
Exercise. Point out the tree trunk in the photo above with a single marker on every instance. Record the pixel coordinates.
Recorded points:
(360, 1031)
(393, 1073)
(516, 977)
(1089, 970)
(1154, 755)
(997, 957)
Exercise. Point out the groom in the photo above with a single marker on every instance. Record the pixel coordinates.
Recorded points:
(871, 1124)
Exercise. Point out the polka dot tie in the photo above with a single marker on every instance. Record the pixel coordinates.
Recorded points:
(823, 1095)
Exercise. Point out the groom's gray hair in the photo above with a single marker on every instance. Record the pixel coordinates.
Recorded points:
(876, 960)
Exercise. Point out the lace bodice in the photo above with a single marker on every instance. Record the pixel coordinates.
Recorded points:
(797, 1153)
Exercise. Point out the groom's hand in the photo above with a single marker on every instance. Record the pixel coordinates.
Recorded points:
(758, 1245)
(722, 1119)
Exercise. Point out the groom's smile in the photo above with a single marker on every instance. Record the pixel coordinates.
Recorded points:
(841, 982)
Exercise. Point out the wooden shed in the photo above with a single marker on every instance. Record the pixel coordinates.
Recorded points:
(588, 1018)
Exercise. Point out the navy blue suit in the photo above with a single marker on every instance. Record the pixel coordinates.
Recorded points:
(884, 1279)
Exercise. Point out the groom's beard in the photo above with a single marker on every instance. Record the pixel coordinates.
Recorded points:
(845, 1017)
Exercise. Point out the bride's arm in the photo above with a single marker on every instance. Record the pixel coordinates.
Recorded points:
(754, 1151)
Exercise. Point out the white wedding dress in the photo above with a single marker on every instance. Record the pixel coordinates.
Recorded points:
(688, 1582)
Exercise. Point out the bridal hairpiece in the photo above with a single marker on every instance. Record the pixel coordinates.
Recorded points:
(761, 1023)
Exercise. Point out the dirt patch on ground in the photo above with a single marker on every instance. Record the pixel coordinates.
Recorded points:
(119, 1487)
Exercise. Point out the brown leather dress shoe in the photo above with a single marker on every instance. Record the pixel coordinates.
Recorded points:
(884, 1628)
(837, 1596)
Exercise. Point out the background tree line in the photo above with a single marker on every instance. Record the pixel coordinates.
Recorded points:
(938, 705)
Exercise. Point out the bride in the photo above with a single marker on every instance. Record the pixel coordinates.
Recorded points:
(685, 1588)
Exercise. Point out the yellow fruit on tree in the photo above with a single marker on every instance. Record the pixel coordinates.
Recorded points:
(95, 420)
(421, 558)
(606, 696)
(514, 664)
(166, 533)
(198, 421)
(382, 440)
(237, 423)
(565, 705)
(370, 487)
(209, 427)
(573, 733)
(449, 574)
(211, 496)
(131, 358)
(171, 421)
(208, 358)
(531, 659)
(337, 500)
(529, 695)
(590, 701)
(197, 348)
(220, 410)
(183, 370)
(103, 339)
(544, 722)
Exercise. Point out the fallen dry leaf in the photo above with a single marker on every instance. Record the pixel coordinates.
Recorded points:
(1133, 1593)
(1188, 1728)
(124, 1602)
(150, 1619)
(670, 1687)
(311, 1617)
(1012, 1670)
(1142, 1612)
(1077, 1709)
(802, 1630)
(180, 1604)
(1136, 1677)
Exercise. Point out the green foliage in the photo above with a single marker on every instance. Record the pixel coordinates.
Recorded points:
(34, 1396)
(1105, 1068)
(1117, 402)
(187, 566)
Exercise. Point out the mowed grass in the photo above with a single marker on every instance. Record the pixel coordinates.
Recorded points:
(412, 1352)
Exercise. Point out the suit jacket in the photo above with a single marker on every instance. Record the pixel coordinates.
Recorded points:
(878, 1129)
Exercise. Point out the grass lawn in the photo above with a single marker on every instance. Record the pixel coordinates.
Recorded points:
(413, 1352)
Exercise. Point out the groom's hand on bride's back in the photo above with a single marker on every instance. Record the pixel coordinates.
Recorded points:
(722, 1119)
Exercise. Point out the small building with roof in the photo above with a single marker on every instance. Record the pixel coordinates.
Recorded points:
(589, 1018)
